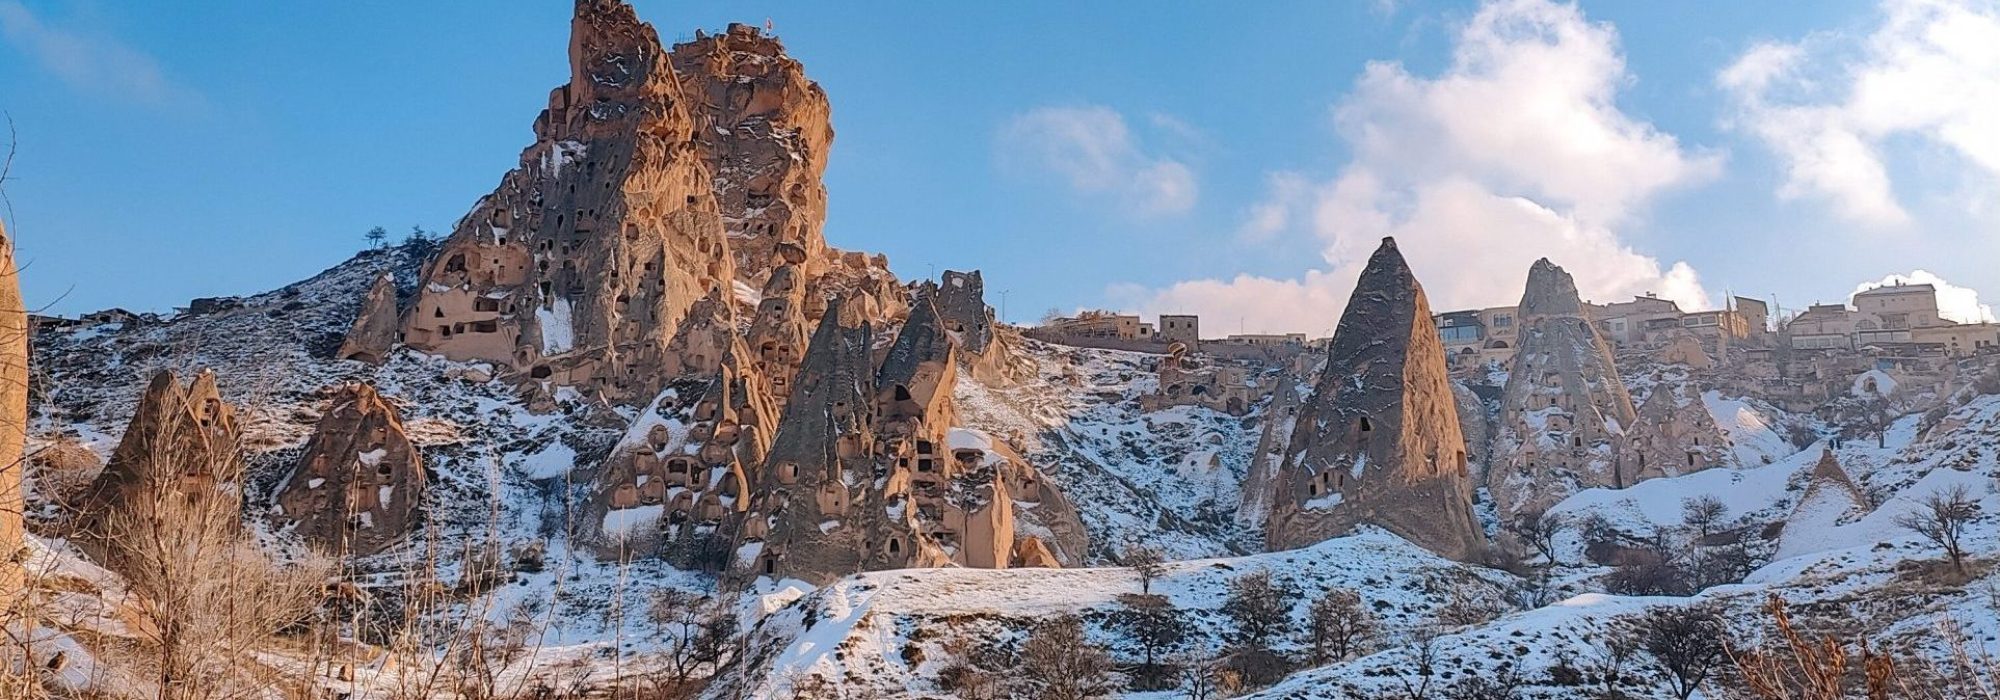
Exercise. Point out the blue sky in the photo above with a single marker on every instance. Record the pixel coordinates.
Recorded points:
(1235, 160)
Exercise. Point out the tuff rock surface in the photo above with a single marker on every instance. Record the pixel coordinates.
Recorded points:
(1378, 440)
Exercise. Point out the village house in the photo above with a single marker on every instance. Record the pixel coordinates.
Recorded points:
(1478, 336)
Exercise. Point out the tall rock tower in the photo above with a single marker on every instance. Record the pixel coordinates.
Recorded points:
(1378, 440)
(765, 131)
(580, 266)
(1564, 413)
(13, 409)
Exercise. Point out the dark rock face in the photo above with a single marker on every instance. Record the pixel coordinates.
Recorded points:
(182, 439)
(1564, 413)
(819, 471)
(374, 331)
(1378, 441)
(357, 486)
(961, 300)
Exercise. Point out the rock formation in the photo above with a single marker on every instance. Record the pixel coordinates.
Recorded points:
(779, 332)
(679, 482)
(806, 519)
(765, 131)
(1564, 411)
(868, 471)
(1831, 499)
(1261, 484)
(13, 409)
(579, 267)
(655, 178)
(986, 351)
(356, 488)
(375, 326)
(1032, 553)
(1673, 434)
(182, 438)
(1378, 440)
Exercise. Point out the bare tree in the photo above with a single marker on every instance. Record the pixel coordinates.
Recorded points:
(1148, 563)
(1539, 530)
(1207, 679)
(1686, 643)
(1057, 663)
(699, 631)
(1942, 520)
(1419, 672)
(1339, 625)
(1610, 659)
(210, 599)
(1701, 513)
(1259, 611)
(1156, 627)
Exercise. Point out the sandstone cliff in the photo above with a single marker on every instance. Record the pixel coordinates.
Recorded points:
(1564, 412)
(577, 269)
(357, 486)
(13, 406)
(182, 438)
(1378, 440)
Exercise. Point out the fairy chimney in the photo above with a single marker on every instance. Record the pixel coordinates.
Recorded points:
(183, 438)
(1564, 411)
(1378, 440)
(356, 488)
(13, 405)
(375, 327)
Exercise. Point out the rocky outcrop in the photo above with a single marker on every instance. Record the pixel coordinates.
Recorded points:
(1474, 420)
(578, 268)
(989, 349)
(679, 483)
(1831, 499)
(868, 470)
(357, 487)
(1378, 440)
(375, 328)
(1674, 433)
(1031, 553)
(13, 409)
(183, 438)
(779, 333)
(1564, 411)
(817, 512)
(765, 131)
(1260, 486)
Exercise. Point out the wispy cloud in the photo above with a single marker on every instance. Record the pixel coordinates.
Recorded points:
(1094, 152)
(89, 62)
(1834, 107)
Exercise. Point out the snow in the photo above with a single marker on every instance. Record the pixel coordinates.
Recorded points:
(620, 523)
(1882, 383)
(554, 460)
(558, 329)
(1747, 425)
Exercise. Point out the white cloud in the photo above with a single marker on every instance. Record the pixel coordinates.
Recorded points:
(1955, 303)
(1832, 107)
(88, 62)
(1095, 153)
(1517, 151)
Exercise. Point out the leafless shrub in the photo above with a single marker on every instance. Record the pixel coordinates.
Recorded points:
(1942, 519)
